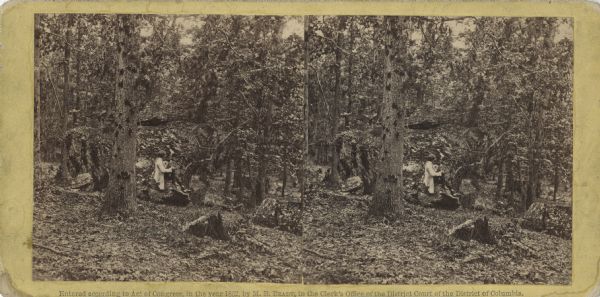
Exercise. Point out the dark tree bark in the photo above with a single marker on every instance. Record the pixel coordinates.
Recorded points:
(77, 103)
(473, 115)
(238, 178)
(535, 127)
(387, 198)
(509, 181)
(556, 175)
(120, 194)
(500, 180)
(228, 177)
(37, 91)
(349, 109)
(302, 170)
(334, 176)
(65, 176)
(284, 174)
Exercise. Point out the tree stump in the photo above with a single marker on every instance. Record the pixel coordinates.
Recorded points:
(477, 230)
(208, 225)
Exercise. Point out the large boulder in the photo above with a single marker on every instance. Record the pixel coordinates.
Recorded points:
(285, 216)
(553, 218)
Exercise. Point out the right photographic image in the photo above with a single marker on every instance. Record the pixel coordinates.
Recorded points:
(439, 150)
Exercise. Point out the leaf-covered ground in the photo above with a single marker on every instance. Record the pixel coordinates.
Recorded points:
(71, 242)
(343, 245)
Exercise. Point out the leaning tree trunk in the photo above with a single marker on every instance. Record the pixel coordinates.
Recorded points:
(65, 176)
(387, 198)
(334, 177)
(120, 194)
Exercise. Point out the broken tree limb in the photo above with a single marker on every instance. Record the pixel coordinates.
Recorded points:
(317, 254)
(51, 249)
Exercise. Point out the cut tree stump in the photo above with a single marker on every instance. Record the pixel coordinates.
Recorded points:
(208, 225)
(477, 230)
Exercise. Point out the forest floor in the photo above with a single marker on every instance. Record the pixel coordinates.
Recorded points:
(343, 245)
(340, 244)
(72, 242)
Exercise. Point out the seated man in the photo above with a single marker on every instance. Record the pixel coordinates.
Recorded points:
(160, 170)
(431, 171)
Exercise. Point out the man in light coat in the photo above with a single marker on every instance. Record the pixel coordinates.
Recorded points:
(160, 170)
(430, 172)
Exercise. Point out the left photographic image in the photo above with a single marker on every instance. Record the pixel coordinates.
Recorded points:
(168, 148)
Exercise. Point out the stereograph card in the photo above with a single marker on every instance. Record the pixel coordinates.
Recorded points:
(299, 149)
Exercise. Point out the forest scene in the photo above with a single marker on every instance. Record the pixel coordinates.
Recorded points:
(440, 150)
(219, 98)
(303, 149)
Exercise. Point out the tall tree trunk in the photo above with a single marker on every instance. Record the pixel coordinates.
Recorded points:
(228, 174)
(509, 181)
(556, 175)
(302, 170)
(349, 109)
(77, 91)
(284, 173)
(532, 157)
(500, 179)
(334, 177)
(38, 89)
(238, 178)
(65, 174)
(260, 189)
(120, 194)
(473, 115)
(387, 199)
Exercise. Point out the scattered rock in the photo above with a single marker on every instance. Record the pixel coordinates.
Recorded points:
(81, 181)
(352, 184)
(143, 163)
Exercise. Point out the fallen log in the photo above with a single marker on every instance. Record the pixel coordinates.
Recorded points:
(446, 201)
(169, 197)
(208, 225)
(424, 125)
(477, 230)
